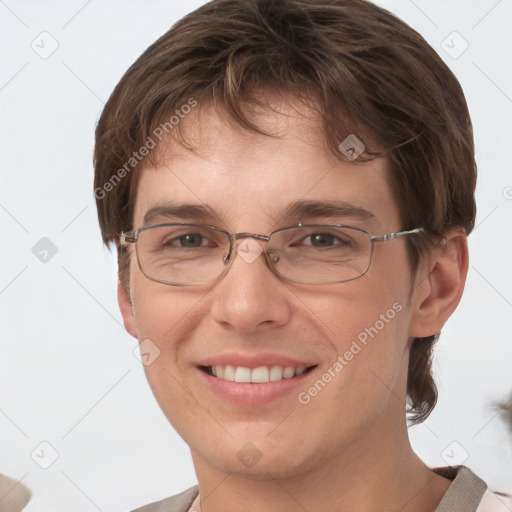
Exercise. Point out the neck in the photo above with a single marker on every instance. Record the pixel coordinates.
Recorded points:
(372, 476)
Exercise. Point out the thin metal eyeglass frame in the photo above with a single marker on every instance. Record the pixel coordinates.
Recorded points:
(131, 237)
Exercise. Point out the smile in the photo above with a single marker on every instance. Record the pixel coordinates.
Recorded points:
(259, 375)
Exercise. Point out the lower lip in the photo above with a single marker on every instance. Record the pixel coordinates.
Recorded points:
(253, 394)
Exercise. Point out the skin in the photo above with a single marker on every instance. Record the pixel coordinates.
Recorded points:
(348, 448)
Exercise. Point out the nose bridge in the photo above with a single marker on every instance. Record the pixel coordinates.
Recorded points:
(249, 297)
(249, 250)
(262, 238)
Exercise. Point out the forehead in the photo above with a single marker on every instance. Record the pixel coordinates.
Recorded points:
(243, 176)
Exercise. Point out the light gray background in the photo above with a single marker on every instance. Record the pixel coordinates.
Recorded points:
(68, 374)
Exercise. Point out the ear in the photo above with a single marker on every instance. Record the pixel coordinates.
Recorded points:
(126, 307)
(439, 285)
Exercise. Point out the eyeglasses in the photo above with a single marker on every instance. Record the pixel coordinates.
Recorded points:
(192, 254)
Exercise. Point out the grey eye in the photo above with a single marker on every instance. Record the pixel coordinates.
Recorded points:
(191, 240)
(321, 239)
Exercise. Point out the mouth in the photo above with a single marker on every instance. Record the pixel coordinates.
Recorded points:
(258, 375)
(258, 379)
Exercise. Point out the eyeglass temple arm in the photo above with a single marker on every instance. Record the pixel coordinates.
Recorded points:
(392, 236)
(127, 238)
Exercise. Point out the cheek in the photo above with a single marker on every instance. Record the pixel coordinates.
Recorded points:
(161, 311)
(366, 328)
(165, 317)
(372, 307)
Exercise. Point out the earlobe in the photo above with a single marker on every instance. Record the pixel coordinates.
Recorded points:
(439, 286)
(126, 307)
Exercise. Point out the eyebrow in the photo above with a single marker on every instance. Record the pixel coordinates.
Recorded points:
(174, 211)
(299, 210)
(328, 209)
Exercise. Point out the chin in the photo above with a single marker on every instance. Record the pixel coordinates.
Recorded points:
(258, 460)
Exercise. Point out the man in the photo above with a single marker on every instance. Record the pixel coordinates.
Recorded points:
(289, 185)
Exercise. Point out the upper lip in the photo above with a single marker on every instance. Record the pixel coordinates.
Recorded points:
(255, 360)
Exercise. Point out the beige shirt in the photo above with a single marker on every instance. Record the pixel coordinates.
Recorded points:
(467, 493)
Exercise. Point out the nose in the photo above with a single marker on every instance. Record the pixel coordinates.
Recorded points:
(250, 297)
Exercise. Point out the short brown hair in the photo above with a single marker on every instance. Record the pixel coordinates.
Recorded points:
(367, 73)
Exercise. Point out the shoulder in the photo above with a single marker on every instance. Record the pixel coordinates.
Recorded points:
(468, 492)
(178, 503)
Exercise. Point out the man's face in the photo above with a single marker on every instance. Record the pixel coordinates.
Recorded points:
(252, 318)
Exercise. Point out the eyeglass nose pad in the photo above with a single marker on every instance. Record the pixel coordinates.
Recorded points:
(226, 259)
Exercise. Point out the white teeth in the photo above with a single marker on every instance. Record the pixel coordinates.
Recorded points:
(229, 372)
(258, 375)
(276, 373)
(288, 372)
(242, 374)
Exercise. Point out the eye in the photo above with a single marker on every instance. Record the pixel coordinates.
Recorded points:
(185, 241)
(324, 240)
(191, 240)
